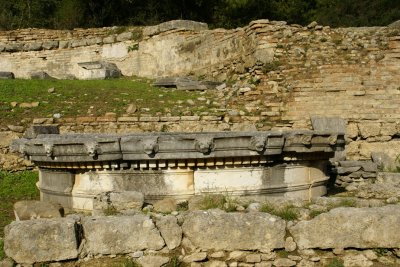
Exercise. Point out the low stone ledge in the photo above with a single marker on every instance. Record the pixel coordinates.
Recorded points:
(120, 235)
(190, 118)
(350, 228)
(218, 230)
(128, 119)
(149, 119)
(41, 240)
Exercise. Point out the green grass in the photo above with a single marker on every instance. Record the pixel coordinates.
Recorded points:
(73, 98)
(2, 253)
(15, 187)
(287, 212)
(335, 262)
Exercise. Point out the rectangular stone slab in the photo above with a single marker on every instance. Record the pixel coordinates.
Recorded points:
(41, 240)
(120, 235)
(350, 228)
(217, 230)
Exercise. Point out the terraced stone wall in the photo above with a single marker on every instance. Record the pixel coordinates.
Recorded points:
(277, 75)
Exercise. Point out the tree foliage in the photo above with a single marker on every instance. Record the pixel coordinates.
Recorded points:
(67, 14)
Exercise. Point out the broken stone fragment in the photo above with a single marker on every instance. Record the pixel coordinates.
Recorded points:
(40, 75)
(120, 201)
(34, 209)
(98, 70)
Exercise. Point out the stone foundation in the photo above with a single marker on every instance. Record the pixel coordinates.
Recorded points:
(355, 236)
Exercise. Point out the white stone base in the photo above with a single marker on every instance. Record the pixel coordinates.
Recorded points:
(76, 190)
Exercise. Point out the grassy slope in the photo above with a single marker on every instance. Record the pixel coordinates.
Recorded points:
(82, 98)
(14, 187)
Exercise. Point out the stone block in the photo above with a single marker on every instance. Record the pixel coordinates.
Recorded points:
(97, 70)
(128, 119)
(80, 120)
(174, 24)
(43, 240)
(170, 118)
(328, 124)
(34, 209)
(149, 119)
(14, 47)
(234, 231)
(126, 200)
(120, 235)
(78, 43)
(34, 46)
(350, 228)
(125, 36)
(170, 231)
(49, 45)
(369, 129)
(35, 130)
(190, 118)
(165, 205)
(109, 39)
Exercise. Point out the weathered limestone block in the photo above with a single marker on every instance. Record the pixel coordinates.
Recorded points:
(174, 24)
(48, 45)
(165, 205)
(388, 129)
(63, 44)
(218, 230)
(35, 46)
(41, 240)
(125, 36)
(369, 129)
(78, 43)
(328, 124)
(350, 227)
(120, 235)
(35, 130)
(352, 130)
(97, 70)
(127, 200)
(14, 47)
(109, 39)
(170, 231)
(34, 209)
(389, 150)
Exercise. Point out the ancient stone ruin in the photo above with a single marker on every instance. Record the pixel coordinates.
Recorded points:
(288, 100)
(74, 168)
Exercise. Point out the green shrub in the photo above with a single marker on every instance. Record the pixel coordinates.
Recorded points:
(182, 206)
